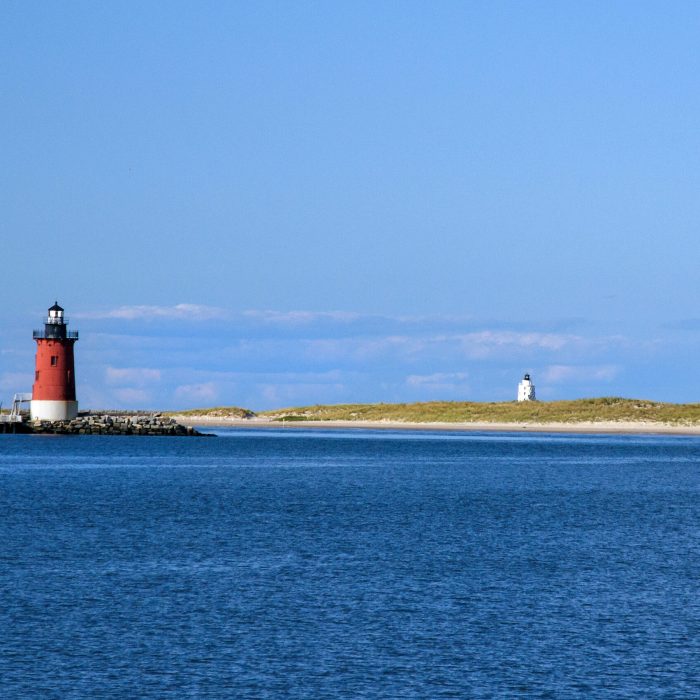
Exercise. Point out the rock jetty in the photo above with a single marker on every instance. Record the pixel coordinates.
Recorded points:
(105, 424)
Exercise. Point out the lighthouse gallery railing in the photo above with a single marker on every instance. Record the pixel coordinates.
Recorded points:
(43, 335)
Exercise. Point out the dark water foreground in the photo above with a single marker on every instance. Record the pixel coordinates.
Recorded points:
(349, 565)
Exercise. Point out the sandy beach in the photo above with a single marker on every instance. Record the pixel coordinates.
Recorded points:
(603, 427)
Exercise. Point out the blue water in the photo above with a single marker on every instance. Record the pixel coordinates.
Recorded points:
(299, 564)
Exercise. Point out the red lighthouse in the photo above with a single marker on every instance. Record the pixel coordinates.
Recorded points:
(53, 393)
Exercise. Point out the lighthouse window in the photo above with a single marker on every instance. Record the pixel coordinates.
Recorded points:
(54, 360)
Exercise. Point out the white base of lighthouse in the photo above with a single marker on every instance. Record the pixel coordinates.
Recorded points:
(53, 410)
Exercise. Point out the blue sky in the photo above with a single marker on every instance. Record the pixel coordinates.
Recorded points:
(267, 204)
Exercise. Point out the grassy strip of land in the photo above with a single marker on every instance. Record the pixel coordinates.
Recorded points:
(224, 412)
(579, 411)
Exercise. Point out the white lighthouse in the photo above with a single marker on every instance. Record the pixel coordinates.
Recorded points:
(526, 389)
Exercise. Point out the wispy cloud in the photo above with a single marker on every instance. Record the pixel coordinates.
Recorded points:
(362, 349)
(132, 375)
(287, 394)
(132, 397)
(485, 341)
(445, 385)
(302, 317)
(372, 331)
(555, 374)
(189, 393)
(441, 378)
(146, 312)
(479, 345)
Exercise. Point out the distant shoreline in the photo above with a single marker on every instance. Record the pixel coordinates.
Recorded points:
(609, 414)
(598, 427)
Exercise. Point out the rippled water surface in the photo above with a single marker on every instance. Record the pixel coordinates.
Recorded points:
(297, 564)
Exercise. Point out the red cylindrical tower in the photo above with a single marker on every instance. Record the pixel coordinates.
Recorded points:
(53, 393)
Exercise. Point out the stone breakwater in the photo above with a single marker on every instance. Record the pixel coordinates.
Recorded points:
(114, 425)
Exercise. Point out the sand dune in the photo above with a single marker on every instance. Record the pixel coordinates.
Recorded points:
(602, 427)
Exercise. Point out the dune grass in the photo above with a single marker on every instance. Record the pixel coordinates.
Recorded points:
(216, 412)
(578, 411)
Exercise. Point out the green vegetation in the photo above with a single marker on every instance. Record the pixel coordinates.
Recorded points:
(216, 412)
(580, 411)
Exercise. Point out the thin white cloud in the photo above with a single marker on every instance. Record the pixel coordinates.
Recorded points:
(132, 375)
(484, 342)
(451, 378)
(446, 385)
(189, 393)
(363, 349)
(301, 393)
(558, 374)
(133, 397)
(147, 312)
(301, 317)
(478, 345)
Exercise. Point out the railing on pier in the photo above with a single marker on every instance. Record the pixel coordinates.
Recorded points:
(15, 415)
(9, 418)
